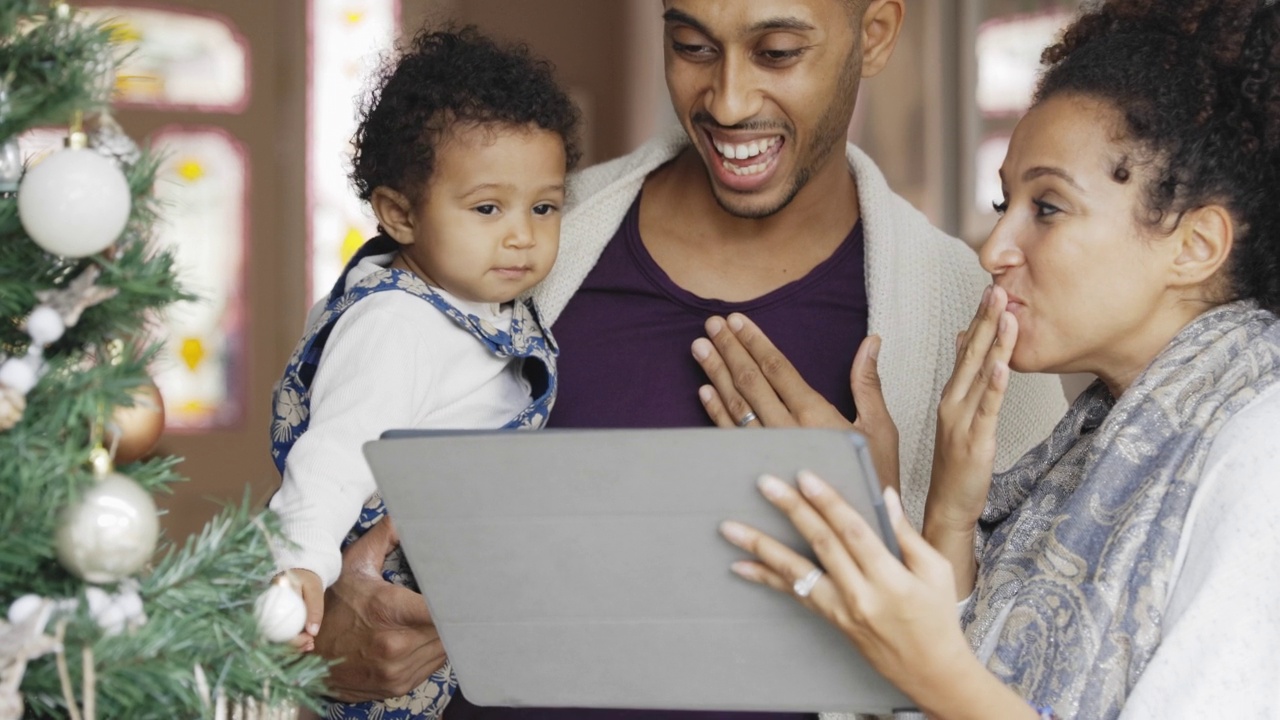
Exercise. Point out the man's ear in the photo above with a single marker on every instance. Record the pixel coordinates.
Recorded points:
(881, 24)
(1206, 236)
(394, 213)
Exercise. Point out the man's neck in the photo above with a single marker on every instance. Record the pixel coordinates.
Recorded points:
(713, 253)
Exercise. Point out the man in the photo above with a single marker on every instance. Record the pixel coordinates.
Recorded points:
(757, 206)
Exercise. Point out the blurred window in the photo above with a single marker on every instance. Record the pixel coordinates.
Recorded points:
(347, 40)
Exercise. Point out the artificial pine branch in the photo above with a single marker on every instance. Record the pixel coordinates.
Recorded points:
(199, 597)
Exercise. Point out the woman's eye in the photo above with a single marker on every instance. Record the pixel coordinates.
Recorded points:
(544, 209)
(1000, 207)
(486, 209)
(1044, 209)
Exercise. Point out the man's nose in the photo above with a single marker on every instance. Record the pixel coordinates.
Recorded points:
(735, 96)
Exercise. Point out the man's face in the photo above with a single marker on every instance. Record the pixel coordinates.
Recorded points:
(765, 89)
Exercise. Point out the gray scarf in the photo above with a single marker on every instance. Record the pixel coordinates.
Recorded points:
(1080, 535)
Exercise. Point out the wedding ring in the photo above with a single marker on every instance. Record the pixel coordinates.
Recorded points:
(746, 419)
(805, 585)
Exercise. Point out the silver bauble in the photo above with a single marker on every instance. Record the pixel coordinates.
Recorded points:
(111, 533)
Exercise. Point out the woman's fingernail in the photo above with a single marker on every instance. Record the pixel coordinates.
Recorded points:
(701, 349)
(744, 569)
(1004, 322)
(313, 629)
(714, 326)
(893, 505)
(809, 484)
(986, 295)
(735, 322)
(733, 532)
(771, 487)
(705, 393)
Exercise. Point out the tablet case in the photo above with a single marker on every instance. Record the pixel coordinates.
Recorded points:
(583, 568)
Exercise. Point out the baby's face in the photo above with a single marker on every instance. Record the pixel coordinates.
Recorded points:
(488, 225)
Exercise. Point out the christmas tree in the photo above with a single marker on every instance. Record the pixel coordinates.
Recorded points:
(105, 619)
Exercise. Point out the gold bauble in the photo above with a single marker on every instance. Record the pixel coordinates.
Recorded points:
(135, 430)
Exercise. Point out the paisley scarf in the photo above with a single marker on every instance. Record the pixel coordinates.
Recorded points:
(1080, 535)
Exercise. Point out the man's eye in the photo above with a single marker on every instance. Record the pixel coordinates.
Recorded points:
(486, 209)
(781, 56)
(691, 49)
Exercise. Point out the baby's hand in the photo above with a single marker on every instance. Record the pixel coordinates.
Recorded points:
(312, 590)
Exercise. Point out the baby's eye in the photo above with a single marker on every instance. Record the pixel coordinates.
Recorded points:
(544, 209)
(486, 209)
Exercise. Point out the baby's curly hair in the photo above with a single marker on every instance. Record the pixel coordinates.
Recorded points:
(444, 77)
(1198, 85)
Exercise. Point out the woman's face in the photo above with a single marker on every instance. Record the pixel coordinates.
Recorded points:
(1086, 280)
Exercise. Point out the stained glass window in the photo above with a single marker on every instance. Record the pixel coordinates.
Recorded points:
(202, 184)
(348, 38)
(177, 60)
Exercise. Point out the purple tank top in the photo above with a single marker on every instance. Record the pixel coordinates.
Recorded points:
(625, 361)
(624, 336)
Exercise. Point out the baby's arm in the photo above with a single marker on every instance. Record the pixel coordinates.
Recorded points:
(370, 378)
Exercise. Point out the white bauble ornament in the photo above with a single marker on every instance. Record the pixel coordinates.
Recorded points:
(45, 326)
(110, 533)
(280, 612)
(75, 203)
(25, 608)
(20, 373)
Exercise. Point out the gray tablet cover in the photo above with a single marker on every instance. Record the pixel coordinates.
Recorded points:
(583, 568)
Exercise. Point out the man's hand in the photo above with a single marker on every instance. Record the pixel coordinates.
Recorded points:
(382, 633)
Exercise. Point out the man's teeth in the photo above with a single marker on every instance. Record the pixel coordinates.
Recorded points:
(745, 150)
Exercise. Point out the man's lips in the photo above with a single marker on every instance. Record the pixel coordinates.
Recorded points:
(744, 160)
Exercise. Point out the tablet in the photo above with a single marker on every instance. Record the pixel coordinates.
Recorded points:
(584, 568)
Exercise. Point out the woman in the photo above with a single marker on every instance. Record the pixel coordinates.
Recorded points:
(1127, 566)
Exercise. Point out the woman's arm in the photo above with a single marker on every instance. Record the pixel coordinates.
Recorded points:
(965, 447)
(900, 615)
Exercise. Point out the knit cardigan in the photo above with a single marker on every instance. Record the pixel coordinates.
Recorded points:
(923, 287)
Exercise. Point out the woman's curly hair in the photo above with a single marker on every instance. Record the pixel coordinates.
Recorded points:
(1198, 85)
(445, 77)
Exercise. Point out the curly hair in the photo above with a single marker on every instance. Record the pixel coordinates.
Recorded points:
(445, 77)
(1198, 85)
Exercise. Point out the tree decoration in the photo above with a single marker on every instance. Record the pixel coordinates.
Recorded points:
(140, 644)
(76, 202)
(111, 533)
(280, 612)
(134, 430)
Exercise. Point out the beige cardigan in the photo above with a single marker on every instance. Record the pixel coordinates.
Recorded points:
(922, 286)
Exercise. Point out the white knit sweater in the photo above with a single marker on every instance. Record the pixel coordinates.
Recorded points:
(923, 287)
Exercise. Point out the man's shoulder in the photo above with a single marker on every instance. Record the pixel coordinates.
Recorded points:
(625, 174)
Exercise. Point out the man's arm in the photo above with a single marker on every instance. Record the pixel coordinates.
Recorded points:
(381, 633)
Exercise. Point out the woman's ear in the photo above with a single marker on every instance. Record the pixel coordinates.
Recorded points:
(1206, 236)
(394, 213)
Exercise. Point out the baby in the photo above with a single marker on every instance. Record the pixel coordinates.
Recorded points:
(461, 152)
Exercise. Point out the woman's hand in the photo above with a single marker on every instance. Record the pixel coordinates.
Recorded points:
(900, 615)
(752, 380)
(965, 446)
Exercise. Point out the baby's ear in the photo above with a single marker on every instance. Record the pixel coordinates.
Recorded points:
(394, 213)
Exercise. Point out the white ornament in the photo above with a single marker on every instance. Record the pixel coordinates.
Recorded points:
(110, 533)
(280, 612)
(19, 374)
(75, 203)
(45, 326)
(25, 608)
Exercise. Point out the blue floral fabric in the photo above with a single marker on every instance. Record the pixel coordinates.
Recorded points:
(526, 340)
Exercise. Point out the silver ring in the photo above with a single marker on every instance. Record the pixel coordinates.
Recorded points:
(805, 585)
(746, 419)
